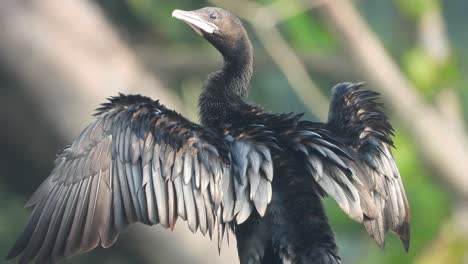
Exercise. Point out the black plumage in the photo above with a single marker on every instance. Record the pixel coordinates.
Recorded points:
(258, 173)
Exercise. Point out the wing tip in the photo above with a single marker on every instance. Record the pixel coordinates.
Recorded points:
(18, 248)
(380, 242)
(11, 254)
(404, 233)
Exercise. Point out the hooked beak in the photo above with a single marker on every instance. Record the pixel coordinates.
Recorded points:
(195, 21)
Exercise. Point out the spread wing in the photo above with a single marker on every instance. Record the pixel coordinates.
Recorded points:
(350, 159)
(140, 162)
(357, 117)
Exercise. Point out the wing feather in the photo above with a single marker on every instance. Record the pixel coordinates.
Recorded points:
(141, 162)
(137, 162)
(350, 159)
(65, 224)
(357, 118)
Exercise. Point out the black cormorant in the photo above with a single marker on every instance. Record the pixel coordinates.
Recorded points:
(259, 173)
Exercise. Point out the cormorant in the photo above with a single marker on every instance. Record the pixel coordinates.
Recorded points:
(259, 173)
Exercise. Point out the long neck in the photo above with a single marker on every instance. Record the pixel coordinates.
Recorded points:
(224, 89)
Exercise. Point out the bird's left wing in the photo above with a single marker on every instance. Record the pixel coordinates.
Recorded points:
(350, 159)
(358, 119)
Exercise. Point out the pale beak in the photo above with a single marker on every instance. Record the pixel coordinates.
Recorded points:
(195, 21)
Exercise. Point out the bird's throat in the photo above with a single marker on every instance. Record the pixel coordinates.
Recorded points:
(224, 89)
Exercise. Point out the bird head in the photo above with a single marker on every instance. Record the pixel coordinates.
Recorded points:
(219, 27)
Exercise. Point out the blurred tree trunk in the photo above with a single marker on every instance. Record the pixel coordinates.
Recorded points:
(70, 59)
(66, 50)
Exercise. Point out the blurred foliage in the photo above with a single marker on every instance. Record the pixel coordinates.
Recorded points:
(11, 207)
(417, 8)
(433, 238)
(428, 74)
(307, 34)
(450, 247)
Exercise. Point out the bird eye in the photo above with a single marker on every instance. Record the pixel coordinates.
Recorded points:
(213, 15)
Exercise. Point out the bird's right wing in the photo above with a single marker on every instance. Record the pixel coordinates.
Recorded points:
(140, 162)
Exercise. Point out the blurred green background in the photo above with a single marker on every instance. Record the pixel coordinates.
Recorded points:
(58, 61)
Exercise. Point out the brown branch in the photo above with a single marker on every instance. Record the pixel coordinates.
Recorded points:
(66, 51)
(441, 142)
